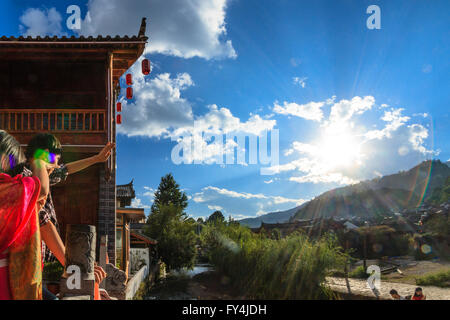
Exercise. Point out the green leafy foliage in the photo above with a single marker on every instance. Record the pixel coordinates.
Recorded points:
(52, 271)
(216, 217)
(439, 279)
(169, 225)
(263, 268)
(359, 273)
(175, 234)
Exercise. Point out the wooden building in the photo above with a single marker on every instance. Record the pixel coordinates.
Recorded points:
(68, 86)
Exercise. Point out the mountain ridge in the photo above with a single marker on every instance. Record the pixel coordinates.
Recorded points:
(369, 198)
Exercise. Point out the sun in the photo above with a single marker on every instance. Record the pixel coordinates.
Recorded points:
(339, 150)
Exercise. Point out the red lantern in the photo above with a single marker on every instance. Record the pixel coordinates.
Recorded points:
(129, 80)
(119, 119)
(129, 93)
(145, 66)
(119, 107)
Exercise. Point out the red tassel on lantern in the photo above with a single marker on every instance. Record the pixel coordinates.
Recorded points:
(129, 80)
(119, 119)
(119, 107)
(129, 93)
(145, 66)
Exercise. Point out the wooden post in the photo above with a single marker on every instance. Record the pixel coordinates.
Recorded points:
(78, 279)
(365, 251)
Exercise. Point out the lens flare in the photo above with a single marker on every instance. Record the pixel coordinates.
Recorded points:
(45, 156)
(426, 249)
(12, 161)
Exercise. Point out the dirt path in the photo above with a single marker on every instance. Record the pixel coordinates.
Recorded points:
(359, 287)
(212, 286)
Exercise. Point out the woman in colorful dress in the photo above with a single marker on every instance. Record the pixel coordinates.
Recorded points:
(21, 198)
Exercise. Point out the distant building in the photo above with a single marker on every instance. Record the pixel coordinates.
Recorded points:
(129, 224)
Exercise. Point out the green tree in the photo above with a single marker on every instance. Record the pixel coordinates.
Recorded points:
(169, 193)
(200, 220)
(175, 234)
(216, 217)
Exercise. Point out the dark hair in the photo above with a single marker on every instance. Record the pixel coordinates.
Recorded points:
(393, 291)
(10, 147)
(43, 141)
(417, 289)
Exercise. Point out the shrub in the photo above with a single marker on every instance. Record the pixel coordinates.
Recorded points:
(52, 271)
(290, 268)
(359, 273)
(438, 279)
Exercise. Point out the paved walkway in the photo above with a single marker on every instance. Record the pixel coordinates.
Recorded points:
(359, 287)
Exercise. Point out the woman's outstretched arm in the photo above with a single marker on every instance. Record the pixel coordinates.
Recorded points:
(79, 165)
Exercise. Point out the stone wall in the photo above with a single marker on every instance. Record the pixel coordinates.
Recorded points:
(107, 213)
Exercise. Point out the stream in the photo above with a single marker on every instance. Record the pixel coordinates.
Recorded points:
(176, 284)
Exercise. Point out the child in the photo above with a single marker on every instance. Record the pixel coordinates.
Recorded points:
(418, 294)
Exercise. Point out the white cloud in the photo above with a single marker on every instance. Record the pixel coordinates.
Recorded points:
(345, 152)
(308, 111)
(160, 111)
(243, 203)
(150, 193)
(344, 110)
(215, 208)
(194, 28)
(158, 105)
(37, 22)
(394, 120)
(300, 81)
(417, 137)
(137, 203)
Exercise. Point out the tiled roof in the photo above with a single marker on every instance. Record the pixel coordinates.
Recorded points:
(142, 237)
(125, 190)
(63, 39)
(55, 40)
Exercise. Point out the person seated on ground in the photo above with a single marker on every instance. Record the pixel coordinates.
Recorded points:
(394, 294)
(21, 198)
(418, 294)
(47, 148)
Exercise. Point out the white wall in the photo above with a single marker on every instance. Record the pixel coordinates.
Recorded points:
(138, 258)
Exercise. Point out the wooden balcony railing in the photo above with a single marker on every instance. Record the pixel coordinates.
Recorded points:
(53, 120)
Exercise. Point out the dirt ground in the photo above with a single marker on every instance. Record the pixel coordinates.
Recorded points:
(361, 289)
(415, 269)
(212, 286)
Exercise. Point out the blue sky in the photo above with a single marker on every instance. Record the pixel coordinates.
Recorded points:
(349, 103)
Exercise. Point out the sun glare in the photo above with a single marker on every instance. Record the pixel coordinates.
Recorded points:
(339, 150)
